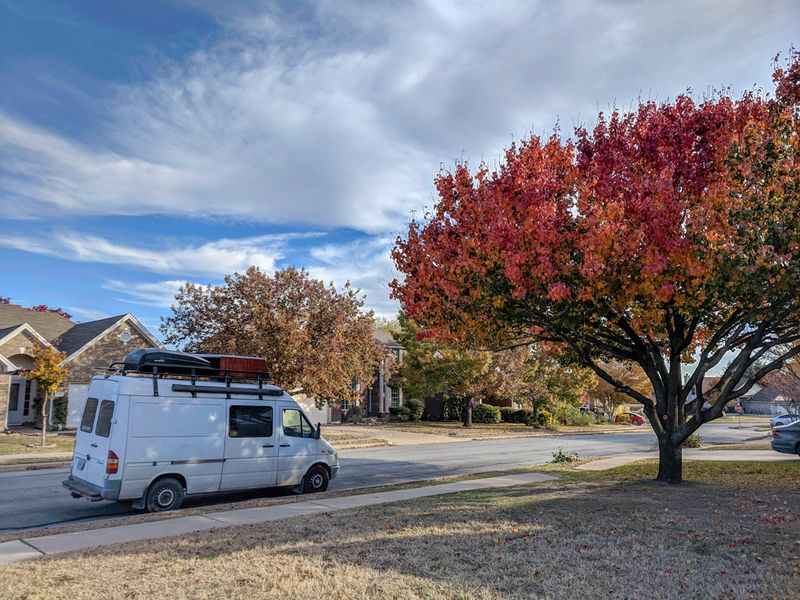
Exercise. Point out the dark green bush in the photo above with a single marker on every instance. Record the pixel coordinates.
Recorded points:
(452, 408)
(401, 413)
(565, 414)
(486, 413)
(415, 409)
(353, 414)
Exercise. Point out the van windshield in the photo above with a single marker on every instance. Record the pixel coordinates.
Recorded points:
(87, 422)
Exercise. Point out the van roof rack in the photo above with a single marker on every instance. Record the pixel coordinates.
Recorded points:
(158, 363)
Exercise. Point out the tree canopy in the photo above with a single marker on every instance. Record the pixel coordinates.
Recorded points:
(316, 339)
(666, 236)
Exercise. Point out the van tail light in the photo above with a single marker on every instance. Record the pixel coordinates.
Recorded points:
(112, 464)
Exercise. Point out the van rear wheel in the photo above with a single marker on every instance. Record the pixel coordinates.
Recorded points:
(316, 480)
(165, 494)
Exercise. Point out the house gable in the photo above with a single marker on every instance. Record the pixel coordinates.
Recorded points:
(111, 345)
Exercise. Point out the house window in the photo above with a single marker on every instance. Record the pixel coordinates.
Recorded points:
(397, 354)
(395, 397)
(13, 399)
(26, 406)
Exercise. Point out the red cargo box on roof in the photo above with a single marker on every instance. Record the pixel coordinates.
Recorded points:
(242, 366)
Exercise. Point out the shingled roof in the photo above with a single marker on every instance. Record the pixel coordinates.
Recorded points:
(48, 325)
(83, 333)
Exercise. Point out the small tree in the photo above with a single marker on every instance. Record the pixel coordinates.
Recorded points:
(432, 368)
(49, 374)
(610, 397)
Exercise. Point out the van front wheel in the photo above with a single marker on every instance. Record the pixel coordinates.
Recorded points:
(164, 494)
(316, 480)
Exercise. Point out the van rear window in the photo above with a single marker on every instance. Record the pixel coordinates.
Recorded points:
(87, 422)
(104, 419)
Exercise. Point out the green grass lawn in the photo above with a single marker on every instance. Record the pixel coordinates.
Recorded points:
(25, 443)
(730, 532)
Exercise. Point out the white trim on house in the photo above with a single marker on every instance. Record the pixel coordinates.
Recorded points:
(27, 328)
(128, 318)
(10, 366)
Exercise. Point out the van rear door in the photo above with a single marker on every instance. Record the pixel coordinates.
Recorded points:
(94, 432)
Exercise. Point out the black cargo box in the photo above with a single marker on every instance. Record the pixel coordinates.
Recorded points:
(146, 360)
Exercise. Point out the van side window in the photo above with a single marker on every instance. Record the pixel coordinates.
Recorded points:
(250, 421)
(295, 424)
(104, 419)
(89, 411)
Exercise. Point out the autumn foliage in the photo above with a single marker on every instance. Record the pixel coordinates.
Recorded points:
(660, 235)
(316, 339)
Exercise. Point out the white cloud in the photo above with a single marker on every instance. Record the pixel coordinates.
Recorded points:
(365, 263)
(339, 114)
(160, 294)
(217, 257)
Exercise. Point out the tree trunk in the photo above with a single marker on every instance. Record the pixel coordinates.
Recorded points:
(45, 403)
(670, 461)
(467, 412)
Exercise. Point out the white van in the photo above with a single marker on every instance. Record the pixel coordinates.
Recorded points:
(154, 438)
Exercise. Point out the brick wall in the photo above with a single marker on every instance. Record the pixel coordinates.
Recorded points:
(5, 386)
(110, 348)
(23, 340)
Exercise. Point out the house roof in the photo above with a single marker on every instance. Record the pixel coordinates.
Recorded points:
(766, 395)
(385, 338)
(48, 325)
(83, 333)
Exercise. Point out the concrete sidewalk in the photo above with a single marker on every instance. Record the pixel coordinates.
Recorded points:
(23, 549)
(610, 462)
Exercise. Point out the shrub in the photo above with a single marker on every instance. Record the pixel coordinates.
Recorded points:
(571, 415)
(452, 408)
(401, 413)
(693, 441)
(60, 410)
(486, 413)
(353, 414)
(623, 419)
(564, 457)
(543, 418)
(415, 409)
(506, 413)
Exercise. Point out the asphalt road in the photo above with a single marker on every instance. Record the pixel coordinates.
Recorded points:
(36, 498)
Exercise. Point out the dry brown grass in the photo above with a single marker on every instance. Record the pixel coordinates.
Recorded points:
(344, 441)
(27, 443)
(575, 539)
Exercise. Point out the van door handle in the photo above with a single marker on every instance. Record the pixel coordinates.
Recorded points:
(285, 445)
(94, 445)
(268, 446)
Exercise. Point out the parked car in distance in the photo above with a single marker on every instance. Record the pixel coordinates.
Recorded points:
(784, 419)
(786, 438)
(635, 418)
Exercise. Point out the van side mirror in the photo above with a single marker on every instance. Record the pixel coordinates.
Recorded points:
(317, 431)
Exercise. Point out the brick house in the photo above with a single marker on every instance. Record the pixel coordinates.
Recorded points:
(87, 345)
(377, 399)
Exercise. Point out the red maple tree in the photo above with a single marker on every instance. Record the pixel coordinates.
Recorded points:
(666, 236)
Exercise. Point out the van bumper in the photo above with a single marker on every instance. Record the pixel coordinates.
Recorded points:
(334, 471)
(109, 491)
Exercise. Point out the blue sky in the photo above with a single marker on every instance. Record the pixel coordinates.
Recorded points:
(148, 143)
